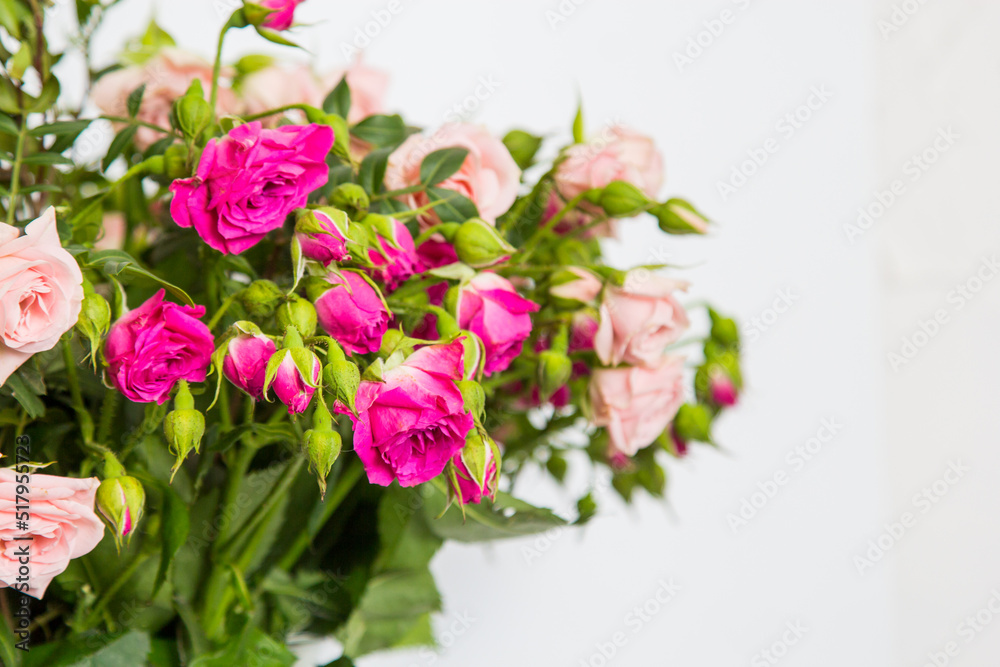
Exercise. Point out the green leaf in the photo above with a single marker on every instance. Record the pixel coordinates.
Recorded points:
(393, 612)
(523, 147)
(251, 647)
(506, 517)
(8, 126)
(135, 101)
(453, 207)
(59, 128)
(381, 131)
(127, 650)
(339, 100)
(46, 159)
(174, 529)
(441, 164)
(118, 144)
(28, 399)
(115, 263)
(579, 133)
(371, 175)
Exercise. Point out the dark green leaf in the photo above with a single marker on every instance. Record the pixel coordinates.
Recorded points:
(135, 101)
(381, 131)
(25, 396)
(118, 144)
(126, 650)
(441, 164)
(251, 647)
(60, 128)
(7, 125)
(46, 159)
(339, 100)
(372, 173)
(453, 207)
(176, 524)
(114, 263)
(504, 518)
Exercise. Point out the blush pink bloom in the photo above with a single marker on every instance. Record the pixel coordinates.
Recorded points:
(489, 176)
(352, 313)
(328, 246)
(368, 87)
(291, 388)
(249, 181)
(283, 15)
(246, 360)
(411, 425)
(491, 308)
(585, 288)
(167, 76)
(636, 404)
(399, 262)
(63, 526)
(472, 493)
(620, 154)
(151, 348)
(639, 320)
(114, 227)
(41, 289)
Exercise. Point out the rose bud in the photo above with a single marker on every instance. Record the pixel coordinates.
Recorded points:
(120, 503)
(554, 371)
(293, 373)
(322, 234)
(622, 200)
(490, 307)
(95, 319)
(693, 422)
(399, 260)
(479, 245)
(721, 387)
(184, 427)
(271, 14)
(724, 330)
(191, 113)
(261, 298)
(350, 196)
(299, 312)
(246, 360)
(322, 445)
(679, 217)
(341, 377)
(351, 310)
(476, 471)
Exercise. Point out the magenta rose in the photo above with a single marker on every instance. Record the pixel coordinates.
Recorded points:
(636, 404)
(328, 245)
(151, 348)
(436, 252)
(248, 182)
(491, 308)
(63, 526)
(246, 360)
(639, 320)
(292, 387)
(41, 290)
(472, 492)
(409, 427)
(399, 262)
(352, 313)
(282, 16)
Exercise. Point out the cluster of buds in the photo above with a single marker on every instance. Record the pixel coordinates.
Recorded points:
(474, 471)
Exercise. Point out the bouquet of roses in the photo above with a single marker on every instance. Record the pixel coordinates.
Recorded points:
(269, 349)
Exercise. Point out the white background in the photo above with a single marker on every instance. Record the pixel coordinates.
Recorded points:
(552, 601)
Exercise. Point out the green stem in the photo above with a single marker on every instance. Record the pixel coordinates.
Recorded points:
(109, 408)
(221, 311)
(137, 170)
(398, 193)
(236, 19)
(258, 518)
(120, 580)
(15, 173)
(544, 230)
(82, 414)
(523, 203)
(140, 123)
(274, 112)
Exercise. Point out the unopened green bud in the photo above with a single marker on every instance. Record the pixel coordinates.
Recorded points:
(121, 502)
(299, 312)
(350, 196)
(724, 330)
(260, 299)
(192, 114)
(322, 445)
(679, 217)
(693, 422)
(343, 377)
(554, 371)
(474, 397)
(479, 245)
(623, 200)
(95, 319)
(184, 427)
(175, 161)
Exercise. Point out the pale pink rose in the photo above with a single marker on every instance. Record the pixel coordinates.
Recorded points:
(41, 289)
(584, 288)
(639, 320)
(636, 404)
(114, 228)
(368, 87)
(275, 87)
(620, 154)
(489, 176)
(63, 526)
(167, 76)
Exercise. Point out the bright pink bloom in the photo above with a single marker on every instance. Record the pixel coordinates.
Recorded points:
(291, 388)
(411, 425)
(151, 348)
(472, 493)
(283, 15)
(248, 182)
(491, 308)
(639, 320)
(352, 313)
(328, 246)
(436, 252)
(399, 262)
(722, 388)
(246, 362)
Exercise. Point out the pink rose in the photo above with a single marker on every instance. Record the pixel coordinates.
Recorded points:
(291, 386)
(63, 526)
(282, 16)
(41, 289)
(167, 76)
(581, 285)
(326, 246)
(436, 252)
(246, 360)
(400, 260)
(352, 313)
(368, 86)
(636, 404)
(471, 491)
(411, 425)
(249, 181)
(639, 320)
(491, 308)
(151, 348)
(621, 154)
(489, 176)
(114, 228)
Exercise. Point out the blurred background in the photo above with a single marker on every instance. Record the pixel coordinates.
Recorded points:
(846, 152)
